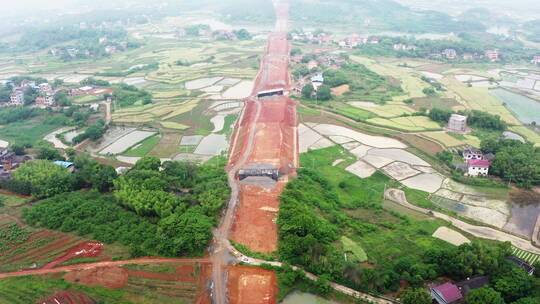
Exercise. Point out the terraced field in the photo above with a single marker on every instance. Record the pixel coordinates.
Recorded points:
(529, 257)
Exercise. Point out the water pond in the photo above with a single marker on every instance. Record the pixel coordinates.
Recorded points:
(526, 109)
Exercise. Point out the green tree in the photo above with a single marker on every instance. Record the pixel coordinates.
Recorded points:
(5, 93)
(528, 300)
(514, 284)
(323, 284)
(415, 296)
(242, 34)
(189, 233)
(484, 295)
(536, 266)
(148, 163)
(144, 191)
(518, 163)
(307, 91)
(48, 152)
(324, 93)
(429, 91)
(90, 173)
(61, 99)
(180, 174)
(45, 178)
(30, 95)
(440, 115)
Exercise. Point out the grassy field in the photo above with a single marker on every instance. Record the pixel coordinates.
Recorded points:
(144, 147)
(356, 253)
(29, 131)
(393, 232)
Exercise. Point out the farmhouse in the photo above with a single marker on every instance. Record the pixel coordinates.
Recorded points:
(492, 55)
(449, 293)
(17, 97)
(468, 56)
(10, 161)
(317, 81)
(477, 167)
(450, 54)
(457, 123)
(472, 153)
(446, 293)
(404, 47)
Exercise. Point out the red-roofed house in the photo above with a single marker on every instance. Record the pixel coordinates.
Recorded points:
(476, 167)
(446, 293)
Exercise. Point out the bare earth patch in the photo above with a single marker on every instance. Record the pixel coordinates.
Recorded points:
(451, 236)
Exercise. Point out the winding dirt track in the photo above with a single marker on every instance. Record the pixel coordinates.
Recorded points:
(70, 268)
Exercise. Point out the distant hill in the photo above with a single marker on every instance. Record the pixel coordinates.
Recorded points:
(377, 15)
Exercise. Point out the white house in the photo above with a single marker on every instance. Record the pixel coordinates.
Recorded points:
(317, 81)
(450, 54)
(478, 167)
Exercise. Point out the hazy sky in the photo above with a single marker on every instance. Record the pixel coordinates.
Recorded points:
(16, 7)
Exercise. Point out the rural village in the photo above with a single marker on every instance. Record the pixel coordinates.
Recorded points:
(192, 159)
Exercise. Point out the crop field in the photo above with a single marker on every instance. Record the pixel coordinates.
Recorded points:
(411, 83)
(386, 111)
(153, 113)
(529, 134)
(144, 147)
(24, 247)
(162, 283)
(407, 123)
(450, 141)
(531, 258)
(173, 125)
(480, 99)
(168, 145)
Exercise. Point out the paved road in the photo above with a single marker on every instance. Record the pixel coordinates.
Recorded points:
(399, 197)
(141, 261)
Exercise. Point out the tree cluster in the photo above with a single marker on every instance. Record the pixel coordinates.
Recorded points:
(44, 178)
(127, 95)
(475, 118)
(93, 132)
(514, 161)
(156, 209)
